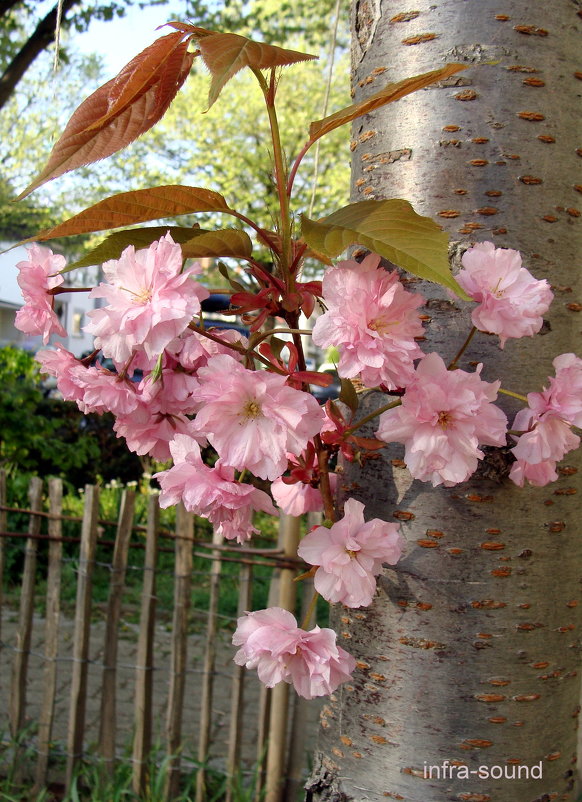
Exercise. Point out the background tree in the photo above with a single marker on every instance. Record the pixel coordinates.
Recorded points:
(25, 34)
(470, 654)
(188, 152)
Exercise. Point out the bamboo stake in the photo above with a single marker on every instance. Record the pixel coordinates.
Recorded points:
(296, 756)
(142, 741)
(245, 593)
(51, 632)
(108, 719)
(280, 693)
(264, 714)
(24, 634)
(208, 670)
(3, 528)
(82, 632)
(182, 592)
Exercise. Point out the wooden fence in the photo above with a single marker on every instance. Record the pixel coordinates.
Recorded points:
(69, 682)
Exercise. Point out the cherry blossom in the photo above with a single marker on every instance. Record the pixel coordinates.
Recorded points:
(298, 498)
(66, 368)
(511, 301)
(299, 492)
(546, 424)
(105, 392)
(150, 300)
(444, 417)
(150, 431)
(193, 350)
(372, 320)
(271, 642)
(252, 418)
(350, 554)
(36, 278)
(211, 492)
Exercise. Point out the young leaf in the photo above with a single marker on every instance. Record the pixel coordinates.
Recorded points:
(348, 395)
(196, 243)
(390, 228)
(388, 94)
(236, 285)
(139, 206)
(122, 109)
(226, 53)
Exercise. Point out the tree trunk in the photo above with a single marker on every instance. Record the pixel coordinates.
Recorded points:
(470, 652)
(39, 40)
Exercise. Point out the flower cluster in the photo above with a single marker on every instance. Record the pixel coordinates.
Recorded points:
(271, 642)
(201, 391)
(511, 302)
(444, 417)
(547, 423)
(38, 276)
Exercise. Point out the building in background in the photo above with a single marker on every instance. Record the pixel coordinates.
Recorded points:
(71, 308)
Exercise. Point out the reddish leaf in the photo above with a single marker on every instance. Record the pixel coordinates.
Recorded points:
(122, 109)
(388, 94)
(139, 206)
(226, 53)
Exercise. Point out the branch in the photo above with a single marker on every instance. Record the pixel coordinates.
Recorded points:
(33, 47)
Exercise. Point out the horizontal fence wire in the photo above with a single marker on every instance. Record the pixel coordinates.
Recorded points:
(94, 708)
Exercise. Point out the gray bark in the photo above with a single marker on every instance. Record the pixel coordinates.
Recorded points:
(471, 651)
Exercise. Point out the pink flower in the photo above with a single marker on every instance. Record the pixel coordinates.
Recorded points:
(299, 493)
(350, 555)
(298, 498)
(252, 418)
(373, 321)
(444, 417)
(106, 392)
(35, 279)
(211, 492)
(66, 368)
(193, 350)
(172, 392)
(546, 424)
(271, 642)
(511, 301)
(148, 431)
(151, 300)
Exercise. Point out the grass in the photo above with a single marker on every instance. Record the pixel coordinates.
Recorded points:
(92, 783)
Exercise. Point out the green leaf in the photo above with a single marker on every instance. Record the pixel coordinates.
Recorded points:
(196, 243)
(390, 228)
(212, 244)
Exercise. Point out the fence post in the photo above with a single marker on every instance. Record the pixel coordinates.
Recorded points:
(23, 636)
(296, 758)
(108, 718)
(280, 693)
(82, 631)
(142, 742)
(208, 671)
(182, 593)
(51, 632)
(245, 593)
(3, 529)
